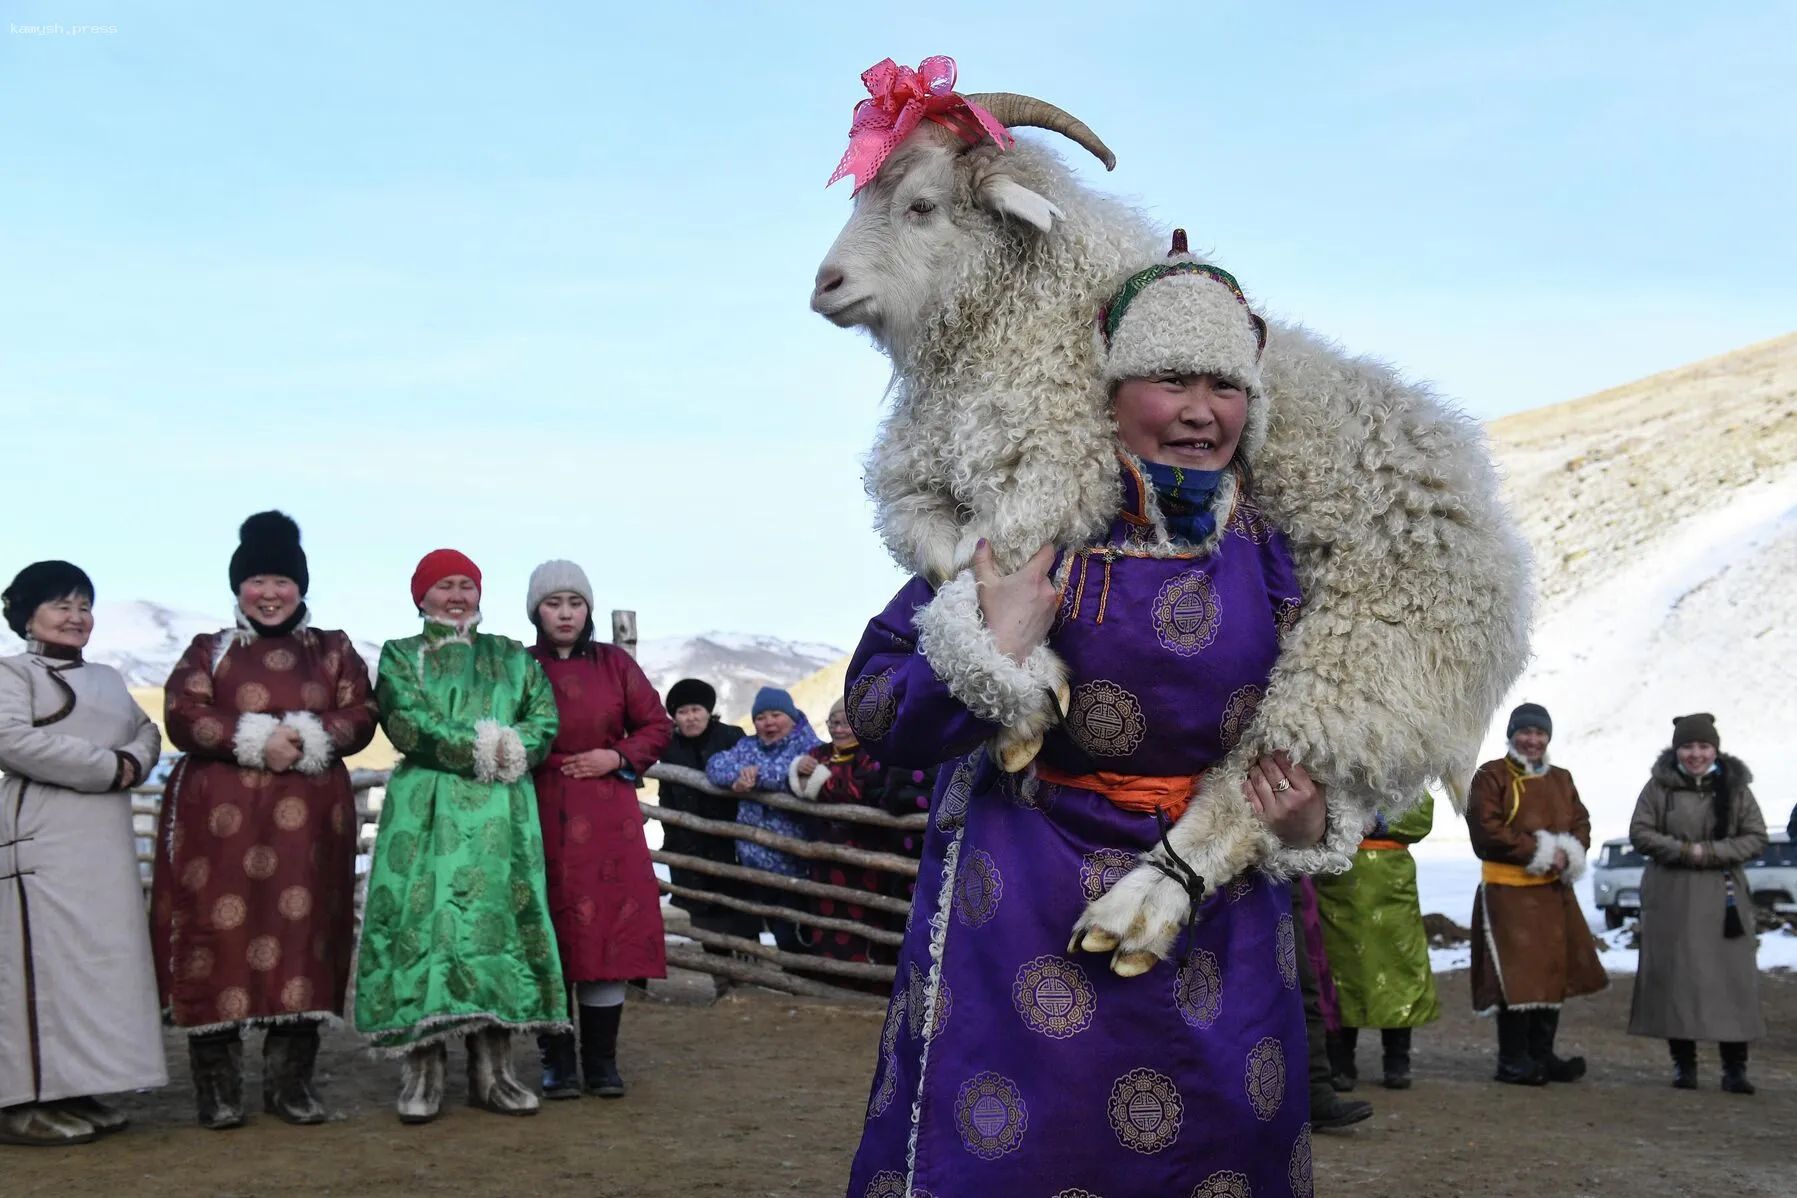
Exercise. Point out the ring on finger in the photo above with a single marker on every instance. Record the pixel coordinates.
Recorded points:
(1282, 785)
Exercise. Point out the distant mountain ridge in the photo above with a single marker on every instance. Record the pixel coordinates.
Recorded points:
(142, 640)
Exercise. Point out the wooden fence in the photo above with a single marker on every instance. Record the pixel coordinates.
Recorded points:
(737, 958)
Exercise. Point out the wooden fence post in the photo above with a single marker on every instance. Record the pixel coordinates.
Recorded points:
(623, 631)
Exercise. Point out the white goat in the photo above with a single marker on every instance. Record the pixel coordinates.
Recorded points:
(980, 272)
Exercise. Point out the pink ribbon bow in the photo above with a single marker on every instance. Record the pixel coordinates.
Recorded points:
(900, 99)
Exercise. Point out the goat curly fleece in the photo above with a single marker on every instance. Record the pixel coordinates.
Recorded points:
(1416, 582)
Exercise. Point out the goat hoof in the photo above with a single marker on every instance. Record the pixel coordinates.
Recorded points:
(1097, 940)
(1063, 698)
(1014, 756)
(1130, 965)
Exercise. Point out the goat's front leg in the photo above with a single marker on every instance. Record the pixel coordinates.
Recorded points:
(1138, 919)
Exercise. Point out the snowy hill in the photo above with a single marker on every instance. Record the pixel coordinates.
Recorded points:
(143, 640)
(736, 663)
(1663, 515)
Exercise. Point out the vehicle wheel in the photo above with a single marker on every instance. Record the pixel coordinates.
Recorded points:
(1612, 918)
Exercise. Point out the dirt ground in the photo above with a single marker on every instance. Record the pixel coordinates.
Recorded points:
(762, 1095)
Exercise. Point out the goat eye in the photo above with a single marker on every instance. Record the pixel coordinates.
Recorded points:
(922, 207)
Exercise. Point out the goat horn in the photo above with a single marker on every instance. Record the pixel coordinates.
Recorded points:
(1019, 111)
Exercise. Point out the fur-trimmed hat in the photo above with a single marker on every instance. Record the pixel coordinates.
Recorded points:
(554, 576)
(689, 691)
(38, 584)
(437, 565)
(269, 543)
(1696, 728)
(1184, 316)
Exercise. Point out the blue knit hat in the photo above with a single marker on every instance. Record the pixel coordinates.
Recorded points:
(772, 698)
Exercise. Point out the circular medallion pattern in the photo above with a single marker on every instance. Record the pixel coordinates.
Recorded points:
(1301, 1172)
(296, 994)
(1187, 613)
(1146, 1110)
(1265, 1078)
(872, 706)
(199, 965)
(1238, 712)
(402, 731)
(888, 1087)
(279, 661)
(263, 953)
(1285, 615)
(1105, 720)
(991, 1114)
(295, 903)
(978, 889)
(198, 685)
(315, 696)
(887, 1183)
(229, 911)
(196, 873)
(1286, 938)
(290, 814)
(233, 1003)
(1103, 869)
(208, 733)
(1226, 1183)
(252, 696)
(1054, 997)
(260, 862)
(1198, 988)
(951, 808)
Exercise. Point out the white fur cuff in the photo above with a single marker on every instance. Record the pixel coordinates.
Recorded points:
(316, 749)
(486, 750)
(1546, 845)
(513, 761)
(807, 788)
(250, 743)
(953, 637)
(1575, 857)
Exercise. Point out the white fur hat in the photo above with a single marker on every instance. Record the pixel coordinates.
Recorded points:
(554, 576)
(1180, 315)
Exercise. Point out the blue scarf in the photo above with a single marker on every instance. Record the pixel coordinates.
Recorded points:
(1187, 499)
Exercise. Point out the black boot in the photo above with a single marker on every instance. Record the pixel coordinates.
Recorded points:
(1515, 1066)
(1396, 1042)
(1342, 1046)
(1684, 1064)
(1544, 1028)
(1329, 1111)
(599, 1050)
(216, 1060)
(561, 1071)
(1734, 1068)
(289, 1055)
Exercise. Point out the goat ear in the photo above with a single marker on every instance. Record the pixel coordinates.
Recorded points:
(1006, 197)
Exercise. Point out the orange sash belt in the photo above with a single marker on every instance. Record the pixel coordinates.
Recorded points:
(1370, 845)
(1502, 873)
(1131, 792)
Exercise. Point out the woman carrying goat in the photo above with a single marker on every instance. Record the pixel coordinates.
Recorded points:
(1011, 1063)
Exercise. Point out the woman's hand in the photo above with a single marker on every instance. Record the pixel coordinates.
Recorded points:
(1696, 851)
(1287, 800)
(1018, 608)
(594, 763)
(282, 749)
(807, 766)
(745, 779)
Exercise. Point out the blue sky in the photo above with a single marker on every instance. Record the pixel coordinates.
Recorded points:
(532, 282)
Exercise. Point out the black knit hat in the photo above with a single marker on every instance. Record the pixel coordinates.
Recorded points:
(269, 544)
(1698, 727)
(39, 583)
(1530, 715)
(691, 690)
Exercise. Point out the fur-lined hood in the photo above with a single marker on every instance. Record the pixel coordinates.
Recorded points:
(1736, 777)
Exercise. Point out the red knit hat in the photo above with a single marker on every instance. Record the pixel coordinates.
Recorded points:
(437, 565)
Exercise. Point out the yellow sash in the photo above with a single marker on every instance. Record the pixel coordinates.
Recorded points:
(1502, 873)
